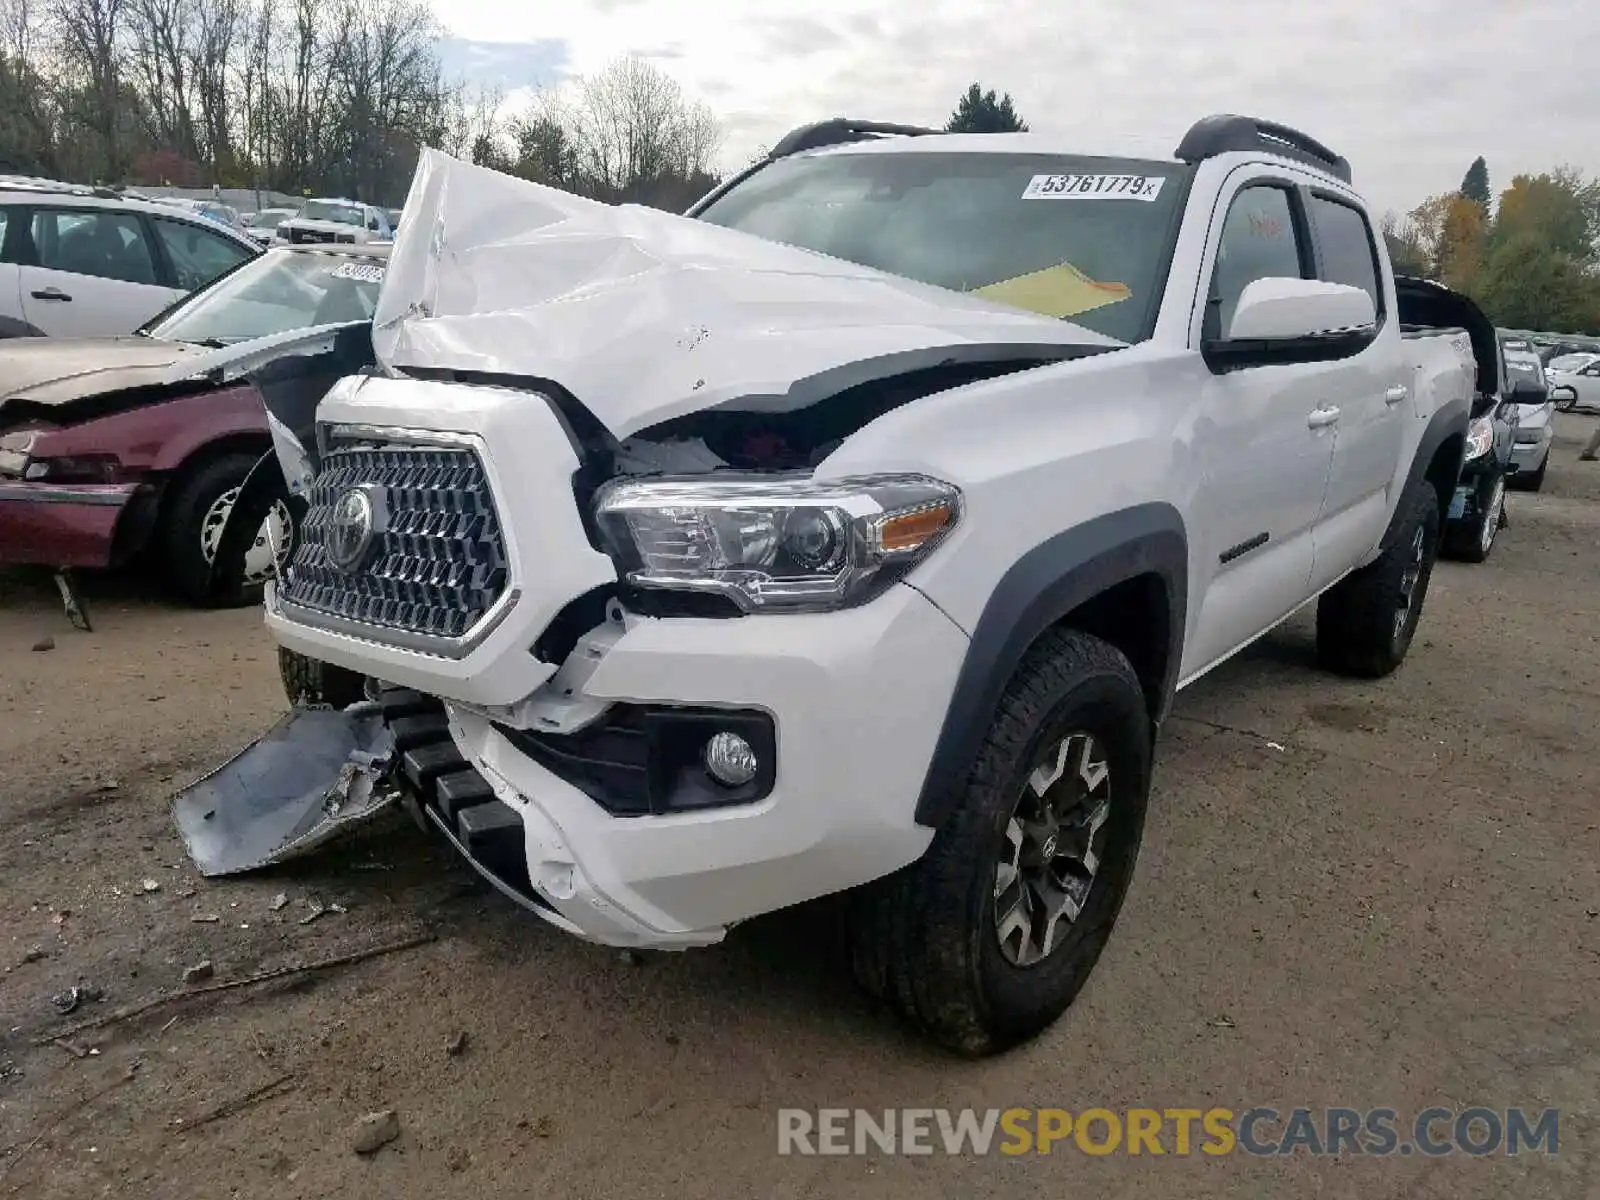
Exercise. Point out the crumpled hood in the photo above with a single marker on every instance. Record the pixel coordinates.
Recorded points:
(46, 370)
(645, 315)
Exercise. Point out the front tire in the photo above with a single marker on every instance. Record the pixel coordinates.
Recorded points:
(191, 532)
(1365, 622)
(988, 938)
(309, 681)
(1473, 541)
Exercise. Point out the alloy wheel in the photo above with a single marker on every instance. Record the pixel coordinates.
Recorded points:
(1054, 842)
(1491, 514)
(1409, 579)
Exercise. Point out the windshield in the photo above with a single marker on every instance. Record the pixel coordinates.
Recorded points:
(268, 218)
(1082, 238)
(1525, 368)
(275, 293)
(325, 210)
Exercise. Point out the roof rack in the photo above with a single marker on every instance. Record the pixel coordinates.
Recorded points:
(59, 187)
(1225, 132)
(839, 130)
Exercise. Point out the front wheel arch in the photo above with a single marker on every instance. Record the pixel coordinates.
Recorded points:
(1121, 577)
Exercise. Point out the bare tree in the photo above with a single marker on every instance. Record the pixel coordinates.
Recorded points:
(634, 129)
(86, 34)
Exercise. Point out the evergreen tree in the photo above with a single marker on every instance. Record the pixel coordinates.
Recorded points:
(980, 112)
(1475, 184)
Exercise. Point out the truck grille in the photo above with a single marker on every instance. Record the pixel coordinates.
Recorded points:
(303, 237)
(436, 561)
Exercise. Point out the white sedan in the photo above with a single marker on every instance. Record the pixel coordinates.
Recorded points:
(1581, 373)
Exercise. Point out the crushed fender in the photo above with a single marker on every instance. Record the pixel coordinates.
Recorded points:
(314, 774)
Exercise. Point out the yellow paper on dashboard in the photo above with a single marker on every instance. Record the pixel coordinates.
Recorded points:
(1061, 291)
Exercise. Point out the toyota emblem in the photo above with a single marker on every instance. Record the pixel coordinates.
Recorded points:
(351, 529)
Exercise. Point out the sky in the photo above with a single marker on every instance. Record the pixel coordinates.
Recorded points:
(1410, 91)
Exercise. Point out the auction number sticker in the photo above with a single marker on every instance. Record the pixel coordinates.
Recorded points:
(365, 272)
(1094, 187)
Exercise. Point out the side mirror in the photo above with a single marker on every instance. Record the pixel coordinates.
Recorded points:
(1281, 320)
(1526, 391)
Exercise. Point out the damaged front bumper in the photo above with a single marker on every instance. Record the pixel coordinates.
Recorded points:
(310, 777)
(64, 525)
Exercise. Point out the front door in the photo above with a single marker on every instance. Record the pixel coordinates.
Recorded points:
(1263, 440)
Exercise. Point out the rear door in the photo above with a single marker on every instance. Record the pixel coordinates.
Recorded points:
(1370, 390)
(92, 272)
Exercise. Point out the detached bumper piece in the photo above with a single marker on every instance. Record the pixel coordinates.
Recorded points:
(442, 789)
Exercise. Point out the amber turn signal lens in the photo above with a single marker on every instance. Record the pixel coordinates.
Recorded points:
(907, 531)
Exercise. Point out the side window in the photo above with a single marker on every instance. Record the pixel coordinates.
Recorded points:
(1348, 253)
(97, 242)
(198, 255)
(5, 225)
(1259, 241)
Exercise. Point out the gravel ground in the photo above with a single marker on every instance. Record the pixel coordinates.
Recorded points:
(1368, 895)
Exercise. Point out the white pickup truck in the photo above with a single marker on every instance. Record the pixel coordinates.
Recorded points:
(855, 530)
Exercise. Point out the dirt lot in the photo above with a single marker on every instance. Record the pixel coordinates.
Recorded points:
(1361, 895)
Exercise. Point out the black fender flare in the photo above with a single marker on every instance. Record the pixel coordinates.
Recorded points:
(1451, 418)
(1040, 588)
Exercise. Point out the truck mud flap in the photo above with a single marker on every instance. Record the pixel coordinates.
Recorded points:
(312, 776)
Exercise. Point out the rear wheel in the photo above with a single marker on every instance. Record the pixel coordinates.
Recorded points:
(1365, 622)
(991, 935)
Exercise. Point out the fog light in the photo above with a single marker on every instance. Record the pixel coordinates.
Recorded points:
(730, 760)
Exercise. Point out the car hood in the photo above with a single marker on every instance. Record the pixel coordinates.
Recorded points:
(321, 225)
(1534, 414)
(644, 315)
(68, 379)
(46, 370)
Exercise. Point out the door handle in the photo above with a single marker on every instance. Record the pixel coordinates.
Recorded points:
(1321, 417)
(1395, 394)
(51, 294)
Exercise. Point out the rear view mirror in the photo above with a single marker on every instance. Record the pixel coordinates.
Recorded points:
(1277, 310)
(1526, 391)
(1280, 320)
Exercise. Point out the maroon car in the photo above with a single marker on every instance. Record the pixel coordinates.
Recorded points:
(113, 448)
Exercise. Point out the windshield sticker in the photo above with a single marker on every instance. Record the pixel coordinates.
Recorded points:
(1094, 187)
(1061, 291)
(365, 272)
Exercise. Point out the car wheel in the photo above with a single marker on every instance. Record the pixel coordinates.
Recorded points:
(989, 937)
(310, 682)
(1472, 541)
(1366, 621)
(192, 528)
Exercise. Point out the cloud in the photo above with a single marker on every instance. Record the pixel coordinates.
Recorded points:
(507, 66)
(1410, 92)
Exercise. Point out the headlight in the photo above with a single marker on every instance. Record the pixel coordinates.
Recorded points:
(1480, 436)
(776, 543)
(14, 451)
